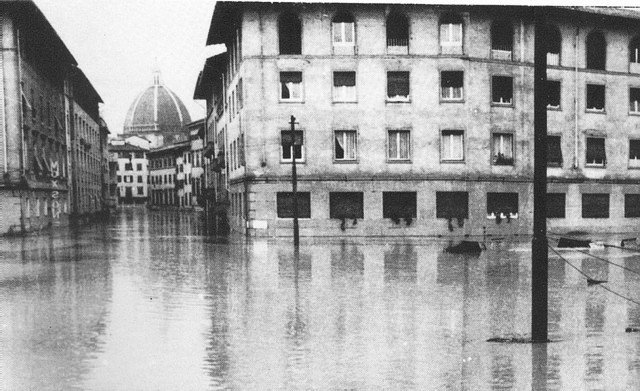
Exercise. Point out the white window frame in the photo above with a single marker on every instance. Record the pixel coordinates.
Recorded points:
(453, 134)
(302, 149)
(450, 34)
(501, 103)
(396, 140)
(344, 142)
(636, 103)
(345, 94)
(501, 148)
(399, 98)
(449, 97)
(604, 161)
(342, 26)
(299, 89)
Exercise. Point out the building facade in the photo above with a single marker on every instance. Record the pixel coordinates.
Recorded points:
(88, 143)
(36, 121)
(176, 171)
(418, 119)
(131, 172)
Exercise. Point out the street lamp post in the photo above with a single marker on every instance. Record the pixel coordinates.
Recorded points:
(291, 139)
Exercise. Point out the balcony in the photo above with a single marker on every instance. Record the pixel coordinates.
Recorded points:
(553, 59)
(501, 54)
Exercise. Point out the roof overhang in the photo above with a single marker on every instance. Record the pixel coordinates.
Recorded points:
(213, 67)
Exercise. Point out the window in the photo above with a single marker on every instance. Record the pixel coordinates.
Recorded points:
(285, 205)
(553, 43)
(399, 205)
(343, 30)
(288, 150)
(502, 90)
(554, 151)
(452, 145)
(452, 204)
(595, 97)
(450, 32)
(398, 86)
(139, 179)
(140, 190)
(348, 205)
(452, 85)
(501, 40)
(139, 167)
(291, 86)
(634, 153)
(119, 178)
(128, 167)
(290, 34)
(556, 205)
(397, 30)
(634, 100)
(634, 50)
(596, 155)
(595, 206)
(553, 94)
(502, 149)
(399, 145)
(345, 145)
(596, 51)
(502, 206)
(632, 205)
(344, 86)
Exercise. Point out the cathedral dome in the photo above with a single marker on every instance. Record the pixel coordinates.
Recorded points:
(157, 109)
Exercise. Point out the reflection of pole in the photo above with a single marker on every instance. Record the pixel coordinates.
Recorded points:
(294, 180)
(539, 250)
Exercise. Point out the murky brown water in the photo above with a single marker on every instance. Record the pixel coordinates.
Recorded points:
(145, 302)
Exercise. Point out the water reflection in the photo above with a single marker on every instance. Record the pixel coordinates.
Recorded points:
(143, 302)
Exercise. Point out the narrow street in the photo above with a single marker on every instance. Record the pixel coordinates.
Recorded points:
(146, 301)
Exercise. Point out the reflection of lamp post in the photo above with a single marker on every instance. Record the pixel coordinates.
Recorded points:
(291, 139)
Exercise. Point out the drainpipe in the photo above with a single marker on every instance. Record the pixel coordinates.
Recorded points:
(575, 100)
(23, 150)
(4, 115)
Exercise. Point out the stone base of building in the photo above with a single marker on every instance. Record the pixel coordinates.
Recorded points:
(255, 213)
(28, 211)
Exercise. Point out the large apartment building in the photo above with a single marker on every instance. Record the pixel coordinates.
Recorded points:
(40, 89)
(418, 119)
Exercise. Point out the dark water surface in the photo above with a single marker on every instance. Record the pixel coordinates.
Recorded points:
(145, 301)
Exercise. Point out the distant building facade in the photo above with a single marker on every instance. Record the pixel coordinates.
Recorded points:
(38, 98)
(88, 143)
(131, 172)
(176, 172)
(418, 119)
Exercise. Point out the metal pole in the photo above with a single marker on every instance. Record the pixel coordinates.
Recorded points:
(539, 250)
(294, 180)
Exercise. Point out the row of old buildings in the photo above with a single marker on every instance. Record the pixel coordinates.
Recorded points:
(53, 142)
(417, 119)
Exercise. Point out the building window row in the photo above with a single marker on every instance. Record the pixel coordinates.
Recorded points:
(451, 90)
(451, 37)
(449, 205)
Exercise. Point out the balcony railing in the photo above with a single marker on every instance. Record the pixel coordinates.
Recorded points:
(500, 54)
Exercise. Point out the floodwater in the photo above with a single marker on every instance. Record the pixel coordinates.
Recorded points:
(145, 301)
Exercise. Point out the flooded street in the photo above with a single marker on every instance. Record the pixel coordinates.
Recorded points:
(145, 301)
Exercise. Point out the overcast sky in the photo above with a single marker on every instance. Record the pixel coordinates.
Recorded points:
(117, 42)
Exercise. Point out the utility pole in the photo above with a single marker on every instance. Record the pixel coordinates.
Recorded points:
(292, 139)
(539, 249)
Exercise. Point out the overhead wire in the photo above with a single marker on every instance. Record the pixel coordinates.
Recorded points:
(589, 278)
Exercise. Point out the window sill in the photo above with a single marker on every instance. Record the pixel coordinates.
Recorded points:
(444, 161)
(554, 108)
(399, 161)
(345, 161)
(554, 165)
(498, 104)
(595, 111)
(338, 102)
(503, 216)
(443, 100)
(634, 113)
(390, 100)
(502, 165)
(291, 101)
(588, 165)
(291, 162)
